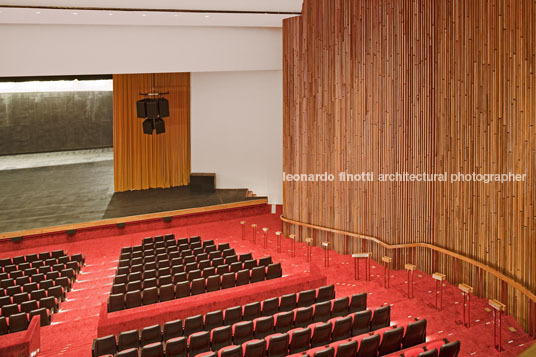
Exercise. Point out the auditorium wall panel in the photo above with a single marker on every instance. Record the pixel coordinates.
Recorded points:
(416, 86)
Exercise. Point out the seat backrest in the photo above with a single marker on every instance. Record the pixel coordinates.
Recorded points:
(274, 271)
(221, 337)
(182, 288)
(198, 286)
(104, 345)
(213, 283)
(116, 302)
(231, 351)
(199, 342)
(358, 302)
(287, 302)
(11, 309)
(128, 339)
(242, 277)
(213, 319)
(233, 315)
(257, 274)
(430, 353)
(342, 328)
(450, 349)
(177, 347)
(347, 349)
(255, 348)
(391, 341)
(381, 318)
(340, 307)
(172, 329)
(28, 306)
(251, 311)
(369, 346)
(415, 334)
(325, 293)
(242, 332)
(300, 340)
(132, 299)
(228, 280)
(150, 296)
(18, 322)
(43, 314)
(284, 321)
(361, 322)
(193, 324)
(264, 326)
(326, 352)
(306, 298)
(150, 334)
(321, 334)
(278, 345)
(3, 326)
(246, 256)
(270, 307)
(166, 292)
(303, 316)
(322, 311)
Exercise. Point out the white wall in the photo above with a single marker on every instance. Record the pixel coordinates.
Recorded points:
(236, 129)
(39, 50)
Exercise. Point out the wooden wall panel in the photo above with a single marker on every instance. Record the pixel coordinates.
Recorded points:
(416, 86)
(144, 161)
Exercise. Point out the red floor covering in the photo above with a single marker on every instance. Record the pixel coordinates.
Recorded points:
(75, 326)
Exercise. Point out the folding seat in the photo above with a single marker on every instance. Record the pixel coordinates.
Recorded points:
(270, 307)
(44, 269)
(128, 339)
(215, 255)
(31, 257)
(221, 336)
(213, 283)
(13, 290)
(183, 247)
(242, 277)
(340, 307)
(287, 302)
(3, 276)
(325, 293)
(137, 276)
(163, 264)
(303, 316)
(125, 255)
(198, 286)
(246, 256)
(257, 274)
(150, 334)
(381, 318)
(263, 326)
(116, 302)
(10, 268)
(198, 250)
(231, 351)
(38, 294)
(64, 282)
(20, 298)
(148, 274)
(208, 272)
(74, 266)
(202, 257)
(251, 311)
(227, 252)
(430, 353)
(149, 266)
(369, 346)
(193, 324)
(182, 289)
(132, 299)
(5, 300)
(120, 279)
(150, 296)
(250, 264)
(176, 269)
(30, 272)
(213, 319)
(194, 274)
(198, 342)
(177, 278)
(361, 323)
(242, 332)
(123, 271)
(136, 261)
(321, 334)
(450, 349)
(205, 264)
(195, 239)
(118, 289)
(172, 329)
(274, 271)
(391, 341)
(137, 248)
(18, 322)
(166, 292)
(358, 302)
(37, 278)
(24, 266)
(210, 248)
(58, 253)
(342, 328)
(11, 309)
(50, 303)
(277, 345)
(155, 349)
(347, 349)
(232, 315)
(3, 326)
(306, 298)
(5, 262)
(222, 269)
(4, 284)
(299, 340)
(43, 314)
(235, 267)
(28, 306)
(63, 260)
(216, 262)
(323, 352)
(265, 261)
(175, 254)
(415, 334)
(148, 283)
(255, 348)
(169, 237)
(228, 280)
(123, 250)
(177, 347)
(134, 286)
(53, 275)
(123, 263)
(284, 321)
(18, 260)
(79, 258)
(16, 274)
(188, 259)
(51, 262)
(104, 345)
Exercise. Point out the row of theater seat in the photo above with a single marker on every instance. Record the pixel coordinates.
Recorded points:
(152, 293)
(20, 321)
(436, 348)
(43, 256)
(11, 287)
(218, 318)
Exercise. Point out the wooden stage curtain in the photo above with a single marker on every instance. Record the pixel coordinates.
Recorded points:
(144, 161)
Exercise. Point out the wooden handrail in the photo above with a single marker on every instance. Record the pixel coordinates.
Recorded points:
(142, 217)
(433, 247)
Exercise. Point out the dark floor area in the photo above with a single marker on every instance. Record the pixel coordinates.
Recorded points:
(66, 194)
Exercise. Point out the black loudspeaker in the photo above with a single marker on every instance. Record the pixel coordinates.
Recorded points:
(148, 126)
(151, 106)
(159, 126)
(140, 108)
(163, 107)
(202, 182)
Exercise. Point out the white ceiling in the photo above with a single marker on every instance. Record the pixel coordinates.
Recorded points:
(228, 5)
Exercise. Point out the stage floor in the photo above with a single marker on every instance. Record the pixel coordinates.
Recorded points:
(51, 189)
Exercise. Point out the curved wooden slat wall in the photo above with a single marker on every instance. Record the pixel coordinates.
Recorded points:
(417, 86)
(151, 161)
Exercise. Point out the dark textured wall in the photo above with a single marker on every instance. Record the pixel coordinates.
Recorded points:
(55, 121)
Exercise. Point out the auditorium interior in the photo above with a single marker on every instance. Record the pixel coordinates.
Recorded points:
(267, 178)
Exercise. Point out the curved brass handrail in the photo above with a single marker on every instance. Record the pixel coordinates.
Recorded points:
(523, 289)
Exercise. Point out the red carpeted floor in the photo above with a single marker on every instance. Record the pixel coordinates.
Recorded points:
(75, 326)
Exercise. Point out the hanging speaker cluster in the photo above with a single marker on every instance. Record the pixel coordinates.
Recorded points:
(153, 110)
